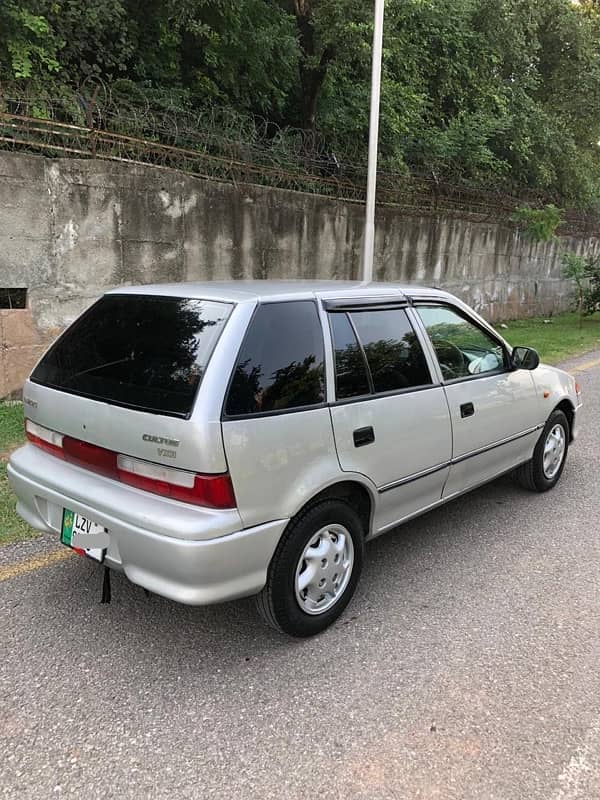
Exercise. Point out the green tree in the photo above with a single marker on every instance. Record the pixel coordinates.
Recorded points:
(547, 59)
(238, 53)
(575, 270)
(29, 47)
(584, 274)
(539, 224)
(96, 38)
(501, 93)
(329, 32)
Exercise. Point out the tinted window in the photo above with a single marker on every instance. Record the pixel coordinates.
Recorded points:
(395, 357)
(280, 364)
(462, 348)
(144, 352)
(351, 378)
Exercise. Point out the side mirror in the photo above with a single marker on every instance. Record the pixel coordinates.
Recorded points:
(525, 358)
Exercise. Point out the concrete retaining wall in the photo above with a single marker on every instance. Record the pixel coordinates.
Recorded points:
(70, 229)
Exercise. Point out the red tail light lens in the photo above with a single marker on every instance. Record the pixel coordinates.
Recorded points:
(90, 456)
(213, 491)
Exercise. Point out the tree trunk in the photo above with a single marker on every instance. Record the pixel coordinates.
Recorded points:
(312, 72)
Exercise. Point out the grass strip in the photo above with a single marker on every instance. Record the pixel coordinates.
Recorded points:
(557, 340)
(12, 527)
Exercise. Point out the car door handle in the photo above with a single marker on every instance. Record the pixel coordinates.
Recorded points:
(363, 436)
(467, 410)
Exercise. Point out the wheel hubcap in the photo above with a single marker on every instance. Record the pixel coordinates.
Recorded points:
(554, 451)
(324, 569)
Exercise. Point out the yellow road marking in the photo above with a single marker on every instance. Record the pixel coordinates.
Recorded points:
(31, 564)
(586, 365)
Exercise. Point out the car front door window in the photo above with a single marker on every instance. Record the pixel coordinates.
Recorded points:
(463, 348)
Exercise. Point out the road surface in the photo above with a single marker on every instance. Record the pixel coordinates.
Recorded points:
(466, 667)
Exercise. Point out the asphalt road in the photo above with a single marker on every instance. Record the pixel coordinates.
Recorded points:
(466, 667)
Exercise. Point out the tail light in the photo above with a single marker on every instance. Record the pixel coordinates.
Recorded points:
(90, 456)
(213, 491)
(48, 440)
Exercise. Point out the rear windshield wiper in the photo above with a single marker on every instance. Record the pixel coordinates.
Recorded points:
(101, 366)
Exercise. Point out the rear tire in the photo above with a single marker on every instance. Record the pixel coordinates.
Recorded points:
(544, 469)
(315, 570)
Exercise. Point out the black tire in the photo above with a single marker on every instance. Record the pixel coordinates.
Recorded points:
(531, 474)
(277, 603)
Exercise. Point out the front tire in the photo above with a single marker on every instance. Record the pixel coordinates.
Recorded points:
(543, 471)
(315, 570)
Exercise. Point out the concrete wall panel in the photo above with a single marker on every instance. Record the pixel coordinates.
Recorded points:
(72, 228)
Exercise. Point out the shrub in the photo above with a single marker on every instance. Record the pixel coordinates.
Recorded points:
(539, 224)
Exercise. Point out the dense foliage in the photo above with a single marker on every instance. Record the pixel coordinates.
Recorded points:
(538, 224)
(584, 274)
(495, 92)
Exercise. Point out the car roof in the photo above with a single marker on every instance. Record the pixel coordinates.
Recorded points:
(252, 291)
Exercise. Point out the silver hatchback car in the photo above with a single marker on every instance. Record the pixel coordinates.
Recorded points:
(219, 440)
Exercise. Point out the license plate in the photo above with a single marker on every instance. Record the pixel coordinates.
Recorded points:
(83, 535)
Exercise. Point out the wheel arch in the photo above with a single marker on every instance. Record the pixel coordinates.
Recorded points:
(351, 491)
(568, 409)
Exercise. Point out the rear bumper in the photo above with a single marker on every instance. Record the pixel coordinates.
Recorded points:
(211, 564)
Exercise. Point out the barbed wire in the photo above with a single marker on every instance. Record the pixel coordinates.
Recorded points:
(224, 145)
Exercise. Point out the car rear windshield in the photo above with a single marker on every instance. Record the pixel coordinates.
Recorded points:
(140, 351)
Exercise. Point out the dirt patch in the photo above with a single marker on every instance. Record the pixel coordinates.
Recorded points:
(6, 454)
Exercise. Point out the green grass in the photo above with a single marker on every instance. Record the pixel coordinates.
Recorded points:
(555, 341)
(12, 527)
(11, 426)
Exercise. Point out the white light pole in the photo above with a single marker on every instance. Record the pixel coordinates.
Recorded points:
(369, 237)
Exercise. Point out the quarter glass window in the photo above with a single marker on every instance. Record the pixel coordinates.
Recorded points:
(280, 365)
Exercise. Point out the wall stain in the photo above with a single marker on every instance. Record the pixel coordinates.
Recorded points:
(109, 224)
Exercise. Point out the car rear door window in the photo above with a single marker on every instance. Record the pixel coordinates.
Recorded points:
(140, 351)
(394, 354)
(351, 376)
(463, 348)
(281, 362)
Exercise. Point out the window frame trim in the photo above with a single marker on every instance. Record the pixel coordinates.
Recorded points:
(370, 380)
(378, 302)
(225, 417)
(392, 393)
(362, 351)
(420, 302)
